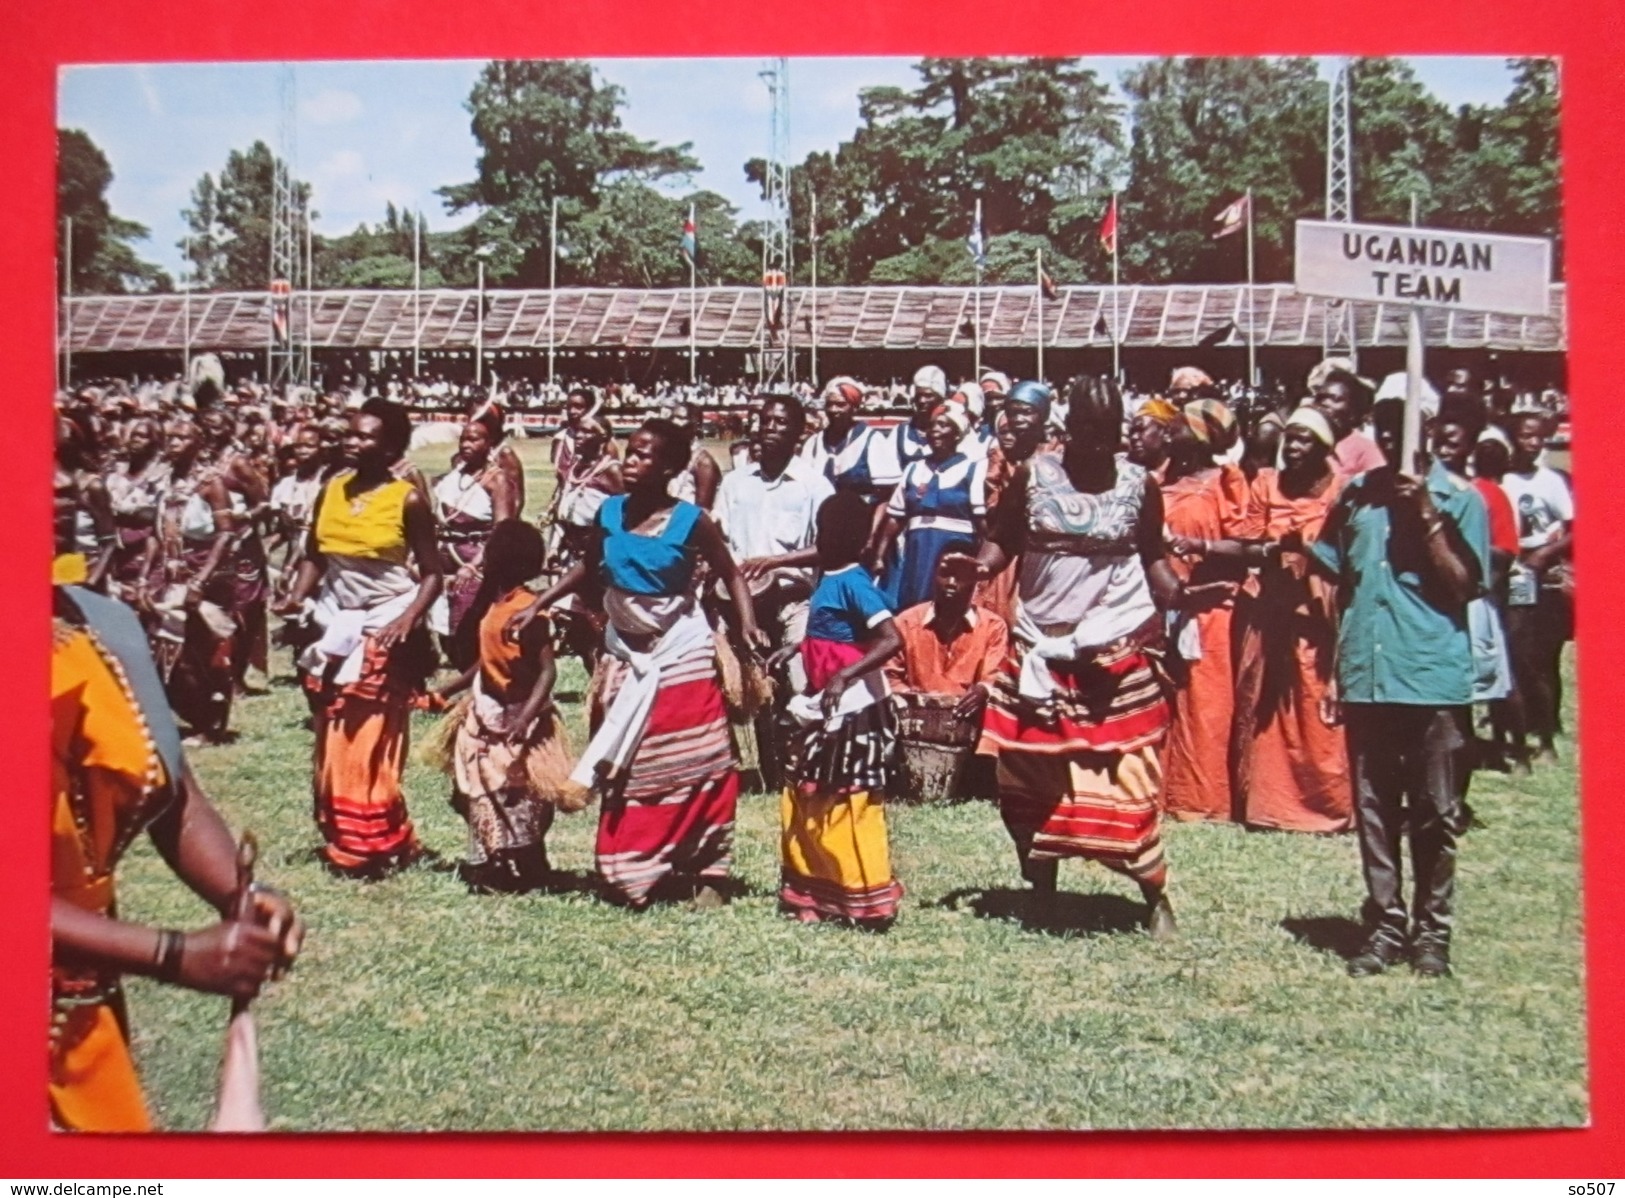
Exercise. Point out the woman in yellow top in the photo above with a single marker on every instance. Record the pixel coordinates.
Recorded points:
(117, 770)
(372, 650)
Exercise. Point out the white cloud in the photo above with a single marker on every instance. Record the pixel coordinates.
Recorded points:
(149, 91)
(331, 106)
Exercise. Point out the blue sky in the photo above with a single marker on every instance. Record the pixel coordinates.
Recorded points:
(374, 132)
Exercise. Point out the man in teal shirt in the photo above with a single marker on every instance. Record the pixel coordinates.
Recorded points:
(1409, 554)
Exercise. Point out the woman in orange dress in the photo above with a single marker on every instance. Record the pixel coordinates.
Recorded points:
(117, 770)
(1198, 510)
(372, 651)
(1291, 762)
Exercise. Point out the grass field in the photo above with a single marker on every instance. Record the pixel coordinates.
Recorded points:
(419, 1006)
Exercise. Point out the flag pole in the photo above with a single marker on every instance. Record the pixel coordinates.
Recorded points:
(1117, 327)
(479, 324)
(186, 318)
(310, 296)
(1252, 340)
(1039, 260)
(417, 294)
(976, 329)
(67, 304)
(812, 226)
(552, 282)
(692, 284)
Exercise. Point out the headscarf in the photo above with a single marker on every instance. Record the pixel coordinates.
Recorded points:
(955, 412)
(995, 383)
(848, 388)
(972, 396)
(1189, 378)
(1319, 375)
(1312, 420)
(932, 379)
(1034, 394)
(1209, 419)
(1160, 410)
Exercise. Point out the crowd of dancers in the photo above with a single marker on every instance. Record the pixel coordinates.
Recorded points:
(1129, 610)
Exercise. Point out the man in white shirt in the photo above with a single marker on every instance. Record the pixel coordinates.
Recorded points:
(767, 507)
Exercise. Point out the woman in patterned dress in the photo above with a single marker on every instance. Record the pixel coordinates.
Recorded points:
(1079, 711)
(470, 500)
(660, 760)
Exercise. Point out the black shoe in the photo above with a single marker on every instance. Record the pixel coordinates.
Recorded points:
(1431, 961)
(1378, 954)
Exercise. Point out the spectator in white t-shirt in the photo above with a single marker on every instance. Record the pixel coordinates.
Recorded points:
(1537, 611)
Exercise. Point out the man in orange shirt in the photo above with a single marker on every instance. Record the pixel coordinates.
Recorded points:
(950, 647)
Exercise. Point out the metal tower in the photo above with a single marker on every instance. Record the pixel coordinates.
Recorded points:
(285, 362)
(778, 354)
(1340, 339)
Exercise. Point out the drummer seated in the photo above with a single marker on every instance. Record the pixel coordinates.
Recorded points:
(950, 647)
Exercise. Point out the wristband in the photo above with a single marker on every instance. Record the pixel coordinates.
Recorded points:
(1436, 527)
(170, 952)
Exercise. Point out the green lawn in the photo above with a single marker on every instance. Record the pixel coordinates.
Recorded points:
(418, 1006)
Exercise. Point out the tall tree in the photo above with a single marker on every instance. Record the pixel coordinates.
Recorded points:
(1032, 137)
(1508, 174)
(230, 221)
(1404, 143)
(1204, 131)
(545, 130)
(103, 259)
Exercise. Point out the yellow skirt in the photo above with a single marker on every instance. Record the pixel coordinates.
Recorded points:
(836, 862)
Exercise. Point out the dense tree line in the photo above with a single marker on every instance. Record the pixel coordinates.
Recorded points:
(1043, 143)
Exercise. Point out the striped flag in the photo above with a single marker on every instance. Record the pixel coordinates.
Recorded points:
(1233, 219)
(1108, 228)
(689, 246)
(978, 247)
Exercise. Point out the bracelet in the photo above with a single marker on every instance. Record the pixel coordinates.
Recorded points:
(1436, 527)
(168, 955)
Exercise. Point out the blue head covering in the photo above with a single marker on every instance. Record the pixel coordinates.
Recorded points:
(1034, 394)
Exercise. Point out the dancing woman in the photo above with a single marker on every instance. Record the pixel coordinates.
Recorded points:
(196, 637)
(1078, 713)
(372, 654)
(116, 771)
(661, 759)
(1200, 509)
(1290, 758)
(470, 500)
(135, 492)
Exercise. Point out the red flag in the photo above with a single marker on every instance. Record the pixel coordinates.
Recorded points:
(1233, 218)
(1108, 228)
(1046, 283)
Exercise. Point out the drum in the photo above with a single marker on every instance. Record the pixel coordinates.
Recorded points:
(934, 746)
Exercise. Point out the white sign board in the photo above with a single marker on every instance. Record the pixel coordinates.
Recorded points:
(1436, 268)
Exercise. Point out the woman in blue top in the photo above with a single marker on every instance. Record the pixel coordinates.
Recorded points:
(940, 506)
(844, 447)
(660, 756)
(835, 860)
